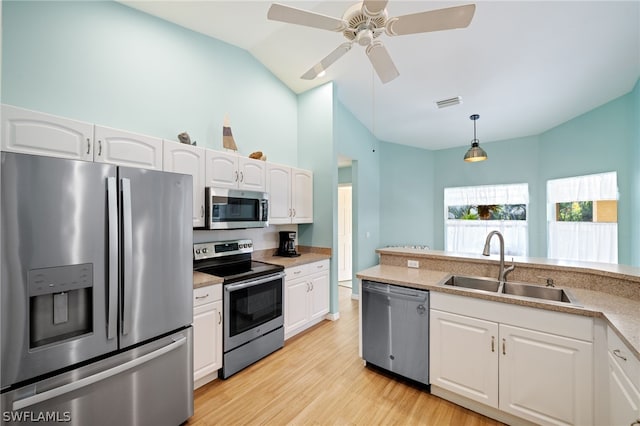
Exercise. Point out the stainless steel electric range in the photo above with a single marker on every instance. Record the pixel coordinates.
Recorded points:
(252, 301)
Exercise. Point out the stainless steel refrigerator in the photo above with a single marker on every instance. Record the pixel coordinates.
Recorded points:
(96, 293)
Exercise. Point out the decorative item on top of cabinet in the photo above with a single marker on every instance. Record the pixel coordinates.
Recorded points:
(207, 334)
(306, 298)
(37, 133)
(229, 170)
(128, 149)
(186, 139)
(290, 194)
(189, 160)
(227, 137)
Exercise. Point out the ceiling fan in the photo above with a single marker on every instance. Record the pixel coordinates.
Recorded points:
(364, 22)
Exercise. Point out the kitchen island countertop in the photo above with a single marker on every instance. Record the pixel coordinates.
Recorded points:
(621, 313)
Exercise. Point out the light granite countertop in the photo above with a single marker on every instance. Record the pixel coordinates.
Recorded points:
(201, 279)
(623, 314)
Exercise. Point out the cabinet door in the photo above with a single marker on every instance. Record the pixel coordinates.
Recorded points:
(295, 304)
(31, 132)
(624, 399)
(319, 295)
(207, 339)
(545, 378)
(187, 159)
(279, 189)
(252, 174)
(123, 148)
(302, 196)
(464, 356)
(222, 169)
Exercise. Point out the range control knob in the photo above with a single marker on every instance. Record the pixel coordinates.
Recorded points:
(197, 251)
(205, 250)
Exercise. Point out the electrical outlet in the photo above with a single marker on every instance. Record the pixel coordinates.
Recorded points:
(413, 264)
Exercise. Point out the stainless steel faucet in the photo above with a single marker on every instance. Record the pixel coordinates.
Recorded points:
(502, 275)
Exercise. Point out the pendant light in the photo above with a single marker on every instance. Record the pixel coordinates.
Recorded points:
(475, 153)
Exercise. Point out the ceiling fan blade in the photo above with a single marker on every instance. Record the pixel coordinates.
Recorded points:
(373, 7)
(382, 62)
(432, 20)
(327, 61)
(291, 15)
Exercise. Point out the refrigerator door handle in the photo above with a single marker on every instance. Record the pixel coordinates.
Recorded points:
(70, 387)
(127, 257)
(112, 283)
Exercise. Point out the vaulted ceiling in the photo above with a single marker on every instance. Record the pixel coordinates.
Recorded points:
(523, 66)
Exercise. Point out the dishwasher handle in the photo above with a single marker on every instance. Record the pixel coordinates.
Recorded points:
(395, 292)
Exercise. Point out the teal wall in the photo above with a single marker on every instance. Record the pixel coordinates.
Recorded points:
(634, 166)
(353, 140)
(600, 140)
(316, 153)
(344, 175)
(603, 139)
(407, 194)
(511, 161)
(108, 64)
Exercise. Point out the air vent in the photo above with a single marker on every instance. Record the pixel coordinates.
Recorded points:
(449, 102)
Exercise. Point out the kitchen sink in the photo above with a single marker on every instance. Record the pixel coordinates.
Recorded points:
(475, 283)
(538, 292)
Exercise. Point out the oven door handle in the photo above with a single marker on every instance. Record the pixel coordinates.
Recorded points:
(233, 287)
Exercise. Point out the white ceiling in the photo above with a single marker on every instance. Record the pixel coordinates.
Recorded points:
(524, 66)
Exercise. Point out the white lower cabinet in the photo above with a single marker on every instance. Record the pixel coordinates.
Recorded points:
(306, 299)
(624, 383)
(513, 359)
(207, 334)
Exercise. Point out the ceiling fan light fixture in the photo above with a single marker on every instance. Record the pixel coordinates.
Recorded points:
(475, 153)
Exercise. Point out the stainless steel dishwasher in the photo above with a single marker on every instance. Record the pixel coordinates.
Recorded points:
(395, 329)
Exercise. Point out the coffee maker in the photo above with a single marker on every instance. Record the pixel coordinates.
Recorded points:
(287, 245)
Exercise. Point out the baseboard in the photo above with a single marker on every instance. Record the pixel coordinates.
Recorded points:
(332, 316)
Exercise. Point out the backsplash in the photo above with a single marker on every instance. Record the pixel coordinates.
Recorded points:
(263, 238)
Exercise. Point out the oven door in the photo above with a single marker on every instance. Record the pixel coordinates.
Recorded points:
(251, 309)
(236, 209)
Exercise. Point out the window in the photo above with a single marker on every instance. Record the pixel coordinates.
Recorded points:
(583, 218)
(472, 212)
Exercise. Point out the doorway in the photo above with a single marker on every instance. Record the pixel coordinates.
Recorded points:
(345, 235)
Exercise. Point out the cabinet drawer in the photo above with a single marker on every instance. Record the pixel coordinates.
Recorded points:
(321, 266)
(296, 272)
(625, 359)
(207, 294)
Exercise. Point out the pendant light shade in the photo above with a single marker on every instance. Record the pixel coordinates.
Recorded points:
(475, 153)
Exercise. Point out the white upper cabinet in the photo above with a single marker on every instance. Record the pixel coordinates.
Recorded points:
(229, 170)
(190, 160)
(128, 149)
(279, 189)
(290, 195)
(31, 132)
(302, 196)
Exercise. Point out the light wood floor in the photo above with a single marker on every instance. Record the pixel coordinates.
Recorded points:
(318, 378)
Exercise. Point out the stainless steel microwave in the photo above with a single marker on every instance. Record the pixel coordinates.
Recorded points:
(235, 208)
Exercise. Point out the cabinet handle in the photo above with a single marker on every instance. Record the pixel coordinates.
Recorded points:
(311, 286)
(236, 175)
(308, 288)
(202, 297)
(99, 148)
(241, 177)
(493, 343)
(289, 212)
(616, 352)
(504, 346)
(201, 211)
(294, 212)
(219, 317)
(297, 272)
(88, 145)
